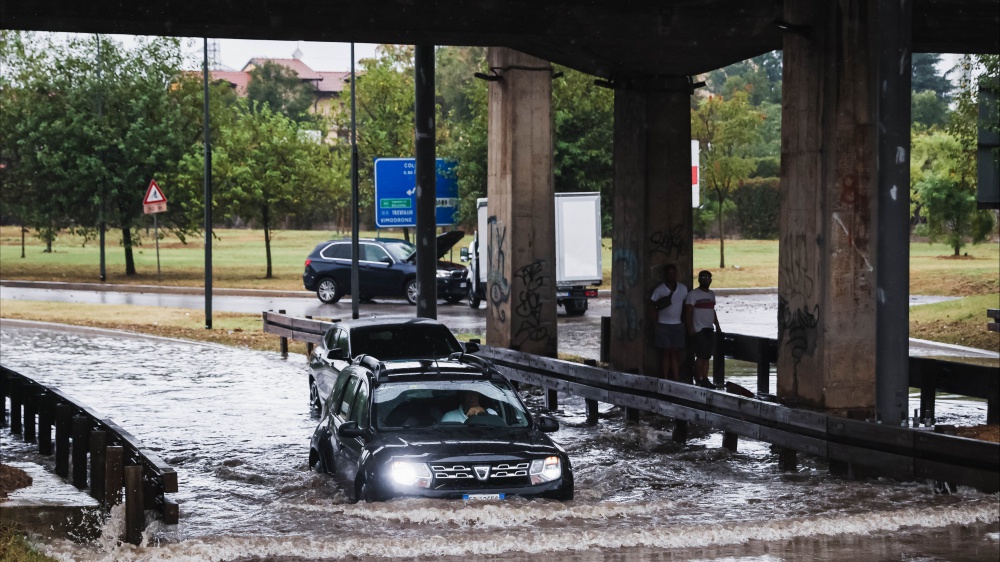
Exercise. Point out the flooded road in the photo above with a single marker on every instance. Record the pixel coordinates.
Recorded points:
(235, 425)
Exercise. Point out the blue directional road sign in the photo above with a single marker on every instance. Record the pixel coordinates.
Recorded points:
(396, 192)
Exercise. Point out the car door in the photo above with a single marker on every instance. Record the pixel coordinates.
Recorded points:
(352, 447)
(372, 268)
(341, 453)
(338, 264)
(329, 359)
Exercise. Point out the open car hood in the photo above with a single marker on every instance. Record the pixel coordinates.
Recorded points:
(446, 240)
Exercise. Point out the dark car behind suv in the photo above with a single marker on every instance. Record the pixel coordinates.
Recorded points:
(408, 428)
(384, 338)
(386, 268)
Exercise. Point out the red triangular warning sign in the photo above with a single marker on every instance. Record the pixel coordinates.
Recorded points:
(153, 194)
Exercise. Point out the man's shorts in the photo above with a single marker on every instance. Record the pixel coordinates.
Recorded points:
(704, 343)
(669, 336)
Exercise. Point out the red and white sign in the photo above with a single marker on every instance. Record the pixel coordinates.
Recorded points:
(155, 201)
(695, 180)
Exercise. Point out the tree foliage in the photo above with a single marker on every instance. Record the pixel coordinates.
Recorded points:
(87, 124)
(727, 130)
(280, 89)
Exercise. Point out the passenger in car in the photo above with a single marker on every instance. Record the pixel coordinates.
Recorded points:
(468, 408)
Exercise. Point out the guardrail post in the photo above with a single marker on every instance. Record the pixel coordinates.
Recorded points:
(44, 424)
(15, 407)
(551, 400)
(590, 404)
(309, 344)
(114, 475)
(763, 366)
(928, 393)
(30, 408)
(81, 433)
(993, 401)
(680, 434)
(64, 416)
(719, 360)
(98, 464)
(605, 353)
(284, 342)
(4, 393)
(135, 516)
(787, 459)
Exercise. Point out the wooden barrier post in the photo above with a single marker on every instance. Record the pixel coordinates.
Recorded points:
(590, 404)
(928, 393)
(15, 407)
(114, 475)
(64, 416)
(763, 366)
(4, 393)
(30, 408)
(787, 459)
(309, 344)
(284, 342)
(605, 353)
(44, 424)
(135, 516)
(81, 434)
(98, 464)
(551, 400)
(719, 361)
(680, 434)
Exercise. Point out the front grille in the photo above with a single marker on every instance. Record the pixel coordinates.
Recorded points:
(458, 274)
(480, 475)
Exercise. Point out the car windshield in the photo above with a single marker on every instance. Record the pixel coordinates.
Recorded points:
(400, 250)
(404, 341)
(408, 405)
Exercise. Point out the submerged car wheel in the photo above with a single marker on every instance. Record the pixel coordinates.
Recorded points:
(411, 291)
(328, 291)
(314, 403)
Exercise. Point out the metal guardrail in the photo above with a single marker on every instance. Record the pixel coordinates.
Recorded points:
(117, 460)
(993, 313)
(851, 445)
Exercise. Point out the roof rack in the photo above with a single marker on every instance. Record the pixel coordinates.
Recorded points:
(371, 363)
(469, 359)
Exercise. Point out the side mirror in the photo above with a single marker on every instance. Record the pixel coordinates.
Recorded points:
(463, 254)
(386, 260)
(545, 424)
(471, 347)
(336, 354)
(350, 430)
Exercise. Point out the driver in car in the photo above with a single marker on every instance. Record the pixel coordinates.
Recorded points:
(469, 407)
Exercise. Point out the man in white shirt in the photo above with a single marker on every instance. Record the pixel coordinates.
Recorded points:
(700, 317)
(469, 407)
(668, 303)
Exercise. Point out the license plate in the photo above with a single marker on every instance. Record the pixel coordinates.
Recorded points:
(462, 284)
(488, 497)
(562, 293)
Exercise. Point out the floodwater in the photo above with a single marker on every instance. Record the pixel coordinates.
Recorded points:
(235, 424)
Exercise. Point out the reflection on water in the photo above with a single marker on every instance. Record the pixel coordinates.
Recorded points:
(235, 425)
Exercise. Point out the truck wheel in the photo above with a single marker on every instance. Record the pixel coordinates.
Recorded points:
(576, 307)
(473, 298)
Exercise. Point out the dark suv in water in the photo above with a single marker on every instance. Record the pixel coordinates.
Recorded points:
(450, 428)
(386, 268)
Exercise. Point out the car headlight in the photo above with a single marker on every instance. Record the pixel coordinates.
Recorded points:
(443, 273)
(547, 470)
(411, 474)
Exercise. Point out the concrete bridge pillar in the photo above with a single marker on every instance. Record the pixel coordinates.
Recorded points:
(652, 210)
(520, 242)
(826, 282)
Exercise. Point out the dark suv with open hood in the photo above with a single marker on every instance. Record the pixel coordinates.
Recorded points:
(386, 268)
(448, 428)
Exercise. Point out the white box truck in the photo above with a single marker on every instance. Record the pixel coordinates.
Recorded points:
(578, 252)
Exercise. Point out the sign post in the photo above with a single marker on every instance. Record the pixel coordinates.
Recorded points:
(155, 202)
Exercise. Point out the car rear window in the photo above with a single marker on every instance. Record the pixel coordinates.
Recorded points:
(404, 342)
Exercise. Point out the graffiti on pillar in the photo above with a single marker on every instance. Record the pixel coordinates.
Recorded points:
(499, 286)
(528, 307)
(798, 316)
(626, 280)
(670, 242)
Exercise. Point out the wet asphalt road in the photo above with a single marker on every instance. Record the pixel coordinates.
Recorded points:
(750, 314)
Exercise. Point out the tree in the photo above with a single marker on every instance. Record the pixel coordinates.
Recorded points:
(726, 129)
(87, 125)
(927, 110)
(279, 88)
(925, 77)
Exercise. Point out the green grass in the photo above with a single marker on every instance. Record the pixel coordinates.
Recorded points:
(960, 322)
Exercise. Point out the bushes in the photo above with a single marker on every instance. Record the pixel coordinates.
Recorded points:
(758, 201)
